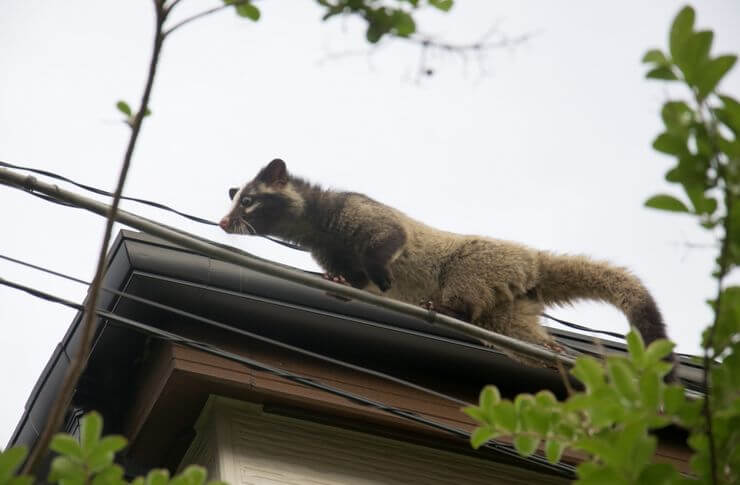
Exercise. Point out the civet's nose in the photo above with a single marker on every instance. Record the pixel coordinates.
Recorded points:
(224, 223)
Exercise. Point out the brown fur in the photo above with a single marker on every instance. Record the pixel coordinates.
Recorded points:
(498, 285)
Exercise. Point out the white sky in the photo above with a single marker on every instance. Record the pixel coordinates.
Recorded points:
(550, 148)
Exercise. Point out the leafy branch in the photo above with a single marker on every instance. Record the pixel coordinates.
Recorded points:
(89, 460)
(381, 20)
(625, 398)
(134, 120)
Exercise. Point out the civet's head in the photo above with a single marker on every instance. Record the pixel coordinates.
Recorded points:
(267, 205)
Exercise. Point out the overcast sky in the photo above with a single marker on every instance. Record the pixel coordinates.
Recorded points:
(547, 144)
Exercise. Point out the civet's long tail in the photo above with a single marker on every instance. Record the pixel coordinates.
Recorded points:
(564, 279)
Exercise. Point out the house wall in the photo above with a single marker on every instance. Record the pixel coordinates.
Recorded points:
(241, 444)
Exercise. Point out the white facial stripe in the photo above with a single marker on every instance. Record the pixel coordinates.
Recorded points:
(251, 208)
(236, 199)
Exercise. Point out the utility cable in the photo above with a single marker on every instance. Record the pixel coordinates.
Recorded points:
(247, 333)
(560, 468)
(581, 327)
(98, 191)
(151, 203)
(159, 205)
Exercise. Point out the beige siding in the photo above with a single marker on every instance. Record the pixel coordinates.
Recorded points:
(241, 444)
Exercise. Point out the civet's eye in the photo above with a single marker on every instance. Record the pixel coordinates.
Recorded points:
(246, 201)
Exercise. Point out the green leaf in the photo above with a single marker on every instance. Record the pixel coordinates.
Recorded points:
(63, 468)
(658, 350)
(113, 475)
(690, 412)
(577, 402)
(655, 56)
(650, 390)
(505, 415)
(728, 321)
(403, 23)
(589, 371)
(522, 402)
(546, 399)
(730, 115)
(481, 435)
(90, 429)
(661, 73)
(697, 49)
(124, 108)
(681, 31)
(677, 117)
(99, 459)
(477, 414)
(248, 10)
(712, 73)
(702, 204)
(592, 474)
(489, 396)
(673, 399)
(536, 419)
(195, 474)
(111, 444)
(636, 347)
(20, 480)
(10, 460)
(158, 476)
(526, 445)
(666, 203)
(622, 377)
(554, 450)
(658, 474)
(601, 448)
(444, 5)
(671, 144)
(64, 444)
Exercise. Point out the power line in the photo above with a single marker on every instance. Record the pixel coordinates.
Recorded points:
(581, 327)
(560, 468)
(247, 333)
(151, 203)
(201, 220)
(98, 191)
(202, 246)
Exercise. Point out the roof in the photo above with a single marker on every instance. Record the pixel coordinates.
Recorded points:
(355, 332)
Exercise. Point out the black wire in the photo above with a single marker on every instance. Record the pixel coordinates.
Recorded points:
(247, 333)
(211, 223)
(106, 193)
(98, 191)
(581, 327)
(563, 469)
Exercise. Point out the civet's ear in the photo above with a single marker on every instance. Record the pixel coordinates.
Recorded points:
(232, 193)
(274, 173)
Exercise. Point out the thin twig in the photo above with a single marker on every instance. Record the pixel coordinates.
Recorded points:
(77, 365)
(723, 270)
(199, 15)
(564, 376)
(427, 44)
(171, 6)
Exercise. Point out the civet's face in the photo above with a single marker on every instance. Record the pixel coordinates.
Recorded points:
(260, 206)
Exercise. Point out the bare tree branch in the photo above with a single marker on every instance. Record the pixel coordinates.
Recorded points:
(429, 45)
(199, 15)
(78, 363)
(171, 6)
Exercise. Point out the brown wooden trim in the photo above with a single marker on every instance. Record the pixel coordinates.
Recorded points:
(179, 379)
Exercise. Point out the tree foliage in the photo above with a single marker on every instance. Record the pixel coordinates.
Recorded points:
(89, 460)
(625, 398)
